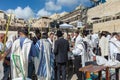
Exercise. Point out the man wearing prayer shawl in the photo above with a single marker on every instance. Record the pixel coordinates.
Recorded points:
(6, 63)
(103, 44)
(22, 54)
(114, 47)
(44, 60)
(1, 50)
(79, 55)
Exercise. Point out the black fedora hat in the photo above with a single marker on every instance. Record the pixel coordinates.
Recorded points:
(59, 33)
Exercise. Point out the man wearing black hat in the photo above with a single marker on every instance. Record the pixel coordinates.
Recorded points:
(61, 55)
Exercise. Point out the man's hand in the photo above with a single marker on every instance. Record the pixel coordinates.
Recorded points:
(94, 58)
(3, 55)
(7, 62)
(71, 49)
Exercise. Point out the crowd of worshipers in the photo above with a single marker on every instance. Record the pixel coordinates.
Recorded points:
(46, 54)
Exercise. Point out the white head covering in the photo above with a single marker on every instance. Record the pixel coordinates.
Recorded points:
(10, 41)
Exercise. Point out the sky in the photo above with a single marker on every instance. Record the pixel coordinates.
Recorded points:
(36, 8)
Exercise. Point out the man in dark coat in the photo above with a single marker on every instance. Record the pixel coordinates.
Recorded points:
(61, 55)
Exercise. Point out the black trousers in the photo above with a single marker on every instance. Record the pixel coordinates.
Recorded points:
(7, 69)
(31, 70)
(118, 56)
(77, 65)
(61, 69)
(106, 57)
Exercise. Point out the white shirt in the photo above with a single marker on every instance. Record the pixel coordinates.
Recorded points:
(50, 40)
(78, 48)
(52, 43)
(72, 39)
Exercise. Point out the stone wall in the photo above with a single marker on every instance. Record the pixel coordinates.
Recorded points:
(110, 8)
(103, 11)
(111, 26)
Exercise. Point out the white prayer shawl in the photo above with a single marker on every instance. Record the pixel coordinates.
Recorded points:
(79, 49)
(108, 37)
(95, 39)
(88, 52)
(24, 54)
(10, 41)
(1, 62)
(46, 73)
(78, 39)
(89, 42)
(103, 44)
(83, 55)
(114, 46)
(86, 39)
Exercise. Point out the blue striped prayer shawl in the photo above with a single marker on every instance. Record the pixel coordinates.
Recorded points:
(42, 65)
(52, 65)
(42, 71)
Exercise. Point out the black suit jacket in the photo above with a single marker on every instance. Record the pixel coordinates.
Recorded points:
(61, 49)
